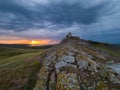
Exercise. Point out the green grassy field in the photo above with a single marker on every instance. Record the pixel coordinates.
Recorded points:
(17, 70)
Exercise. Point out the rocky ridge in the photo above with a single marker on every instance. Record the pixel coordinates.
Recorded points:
(76, 65)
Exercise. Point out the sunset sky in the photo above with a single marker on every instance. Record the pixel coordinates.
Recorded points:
(48, 21)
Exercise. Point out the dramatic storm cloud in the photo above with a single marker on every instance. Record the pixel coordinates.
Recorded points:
(51, 19)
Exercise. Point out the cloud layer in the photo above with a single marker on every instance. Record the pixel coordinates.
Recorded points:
(51, 19)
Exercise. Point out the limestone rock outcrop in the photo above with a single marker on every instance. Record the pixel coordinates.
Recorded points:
(75, 65)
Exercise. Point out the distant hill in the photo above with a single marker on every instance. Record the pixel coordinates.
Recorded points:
(25, 46)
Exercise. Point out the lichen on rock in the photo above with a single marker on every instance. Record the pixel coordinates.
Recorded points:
(74, 65)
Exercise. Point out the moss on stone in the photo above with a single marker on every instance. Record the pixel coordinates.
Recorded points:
(101, 86)
(103, 73)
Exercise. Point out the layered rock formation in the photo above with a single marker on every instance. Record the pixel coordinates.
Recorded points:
(76, 65)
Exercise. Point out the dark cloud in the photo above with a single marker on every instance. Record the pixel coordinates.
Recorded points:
(12, 7)
(56, 13)
(79, 17)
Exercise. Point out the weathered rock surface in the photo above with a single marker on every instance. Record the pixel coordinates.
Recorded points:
(75, 65)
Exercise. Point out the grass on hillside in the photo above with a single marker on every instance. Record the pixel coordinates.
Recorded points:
(17, 70)
(114, 50)
(9, 52)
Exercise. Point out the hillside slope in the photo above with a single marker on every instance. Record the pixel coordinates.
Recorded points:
(113, 49)
(18, 68)
(75, 64)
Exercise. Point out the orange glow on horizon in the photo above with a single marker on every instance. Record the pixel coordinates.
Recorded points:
(18, 40)
(39, 42)
(31, 42)
(14, 41)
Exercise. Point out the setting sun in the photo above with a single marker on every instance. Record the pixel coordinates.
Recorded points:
(40, 42)
(19, 40)
(33, 42)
